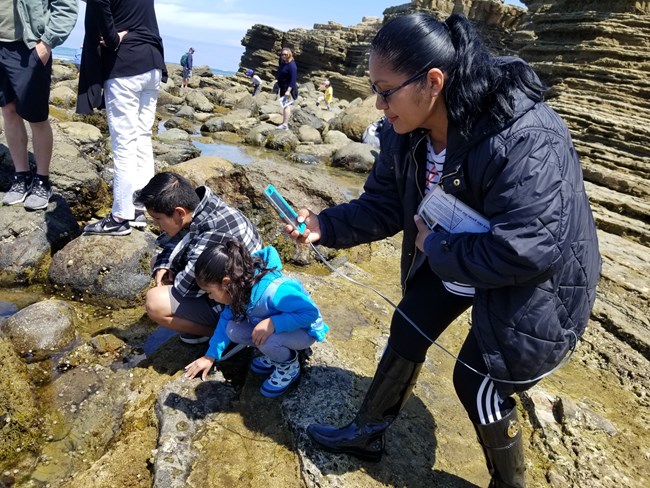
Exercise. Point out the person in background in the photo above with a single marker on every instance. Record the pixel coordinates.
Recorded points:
(129, 69)
(263, 309)
(187, 63)
(474, 127)
(190, 219)
(287, 76)
(255, 80)
(29, 30)
(328, 94)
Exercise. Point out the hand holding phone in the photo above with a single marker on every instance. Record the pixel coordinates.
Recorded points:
(283, 209)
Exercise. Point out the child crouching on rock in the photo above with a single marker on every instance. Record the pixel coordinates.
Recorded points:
(263, 309)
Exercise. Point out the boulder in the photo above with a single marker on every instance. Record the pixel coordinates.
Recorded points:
(41, 328)
(105, 270)
(28, 239)
(356, 156)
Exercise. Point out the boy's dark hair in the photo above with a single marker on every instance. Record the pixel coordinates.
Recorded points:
(166, 191)
(232, 259)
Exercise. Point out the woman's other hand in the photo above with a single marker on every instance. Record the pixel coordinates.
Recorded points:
(423, 232)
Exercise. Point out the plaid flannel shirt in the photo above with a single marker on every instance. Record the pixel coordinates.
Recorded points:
(213, 222)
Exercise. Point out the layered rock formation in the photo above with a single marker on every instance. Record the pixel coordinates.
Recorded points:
(594, 55)
(340, 53)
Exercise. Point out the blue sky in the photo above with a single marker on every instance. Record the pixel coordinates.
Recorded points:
(215, 28)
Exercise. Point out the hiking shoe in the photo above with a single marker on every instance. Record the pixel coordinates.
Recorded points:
(108, 226)
(19, 190)
(283, 127)
(193, 339)
(140, 220)
(284, 375)
(40, 195)
(262, 365)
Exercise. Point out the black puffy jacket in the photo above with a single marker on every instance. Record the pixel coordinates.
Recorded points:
(535, 271)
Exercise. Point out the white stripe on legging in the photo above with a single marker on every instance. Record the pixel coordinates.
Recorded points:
(488, 410)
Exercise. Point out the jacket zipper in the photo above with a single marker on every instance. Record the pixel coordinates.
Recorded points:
(417, 183)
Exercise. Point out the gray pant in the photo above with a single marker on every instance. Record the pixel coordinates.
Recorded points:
(277, 347)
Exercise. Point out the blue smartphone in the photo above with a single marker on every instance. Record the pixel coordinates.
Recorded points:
(283, 209)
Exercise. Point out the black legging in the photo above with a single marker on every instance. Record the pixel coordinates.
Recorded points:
(428, 303)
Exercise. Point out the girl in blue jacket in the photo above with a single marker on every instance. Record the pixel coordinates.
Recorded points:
(263, 309)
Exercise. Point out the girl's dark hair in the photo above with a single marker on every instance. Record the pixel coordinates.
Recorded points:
(474, 83)
(231, 259)
(166, 191)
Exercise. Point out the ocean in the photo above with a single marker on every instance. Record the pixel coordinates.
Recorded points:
(67, 54)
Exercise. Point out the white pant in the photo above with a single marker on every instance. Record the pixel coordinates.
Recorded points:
(131, 111)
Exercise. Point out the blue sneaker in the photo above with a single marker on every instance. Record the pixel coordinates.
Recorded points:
(262, 365)
(284, 375)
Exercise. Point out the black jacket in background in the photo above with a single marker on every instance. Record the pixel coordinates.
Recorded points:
(141, 49)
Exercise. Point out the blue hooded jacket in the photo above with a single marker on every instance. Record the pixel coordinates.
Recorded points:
(281, 298)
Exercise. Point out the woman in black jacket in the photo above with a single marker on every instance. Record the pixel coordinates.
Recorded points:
(475, 127)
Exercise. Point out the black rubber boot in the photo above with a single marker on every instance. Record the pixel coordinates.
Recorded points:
(388, 392)
(504, 451)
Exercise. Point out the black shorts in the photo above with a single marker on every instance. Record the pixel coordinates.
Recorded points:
(25, 80)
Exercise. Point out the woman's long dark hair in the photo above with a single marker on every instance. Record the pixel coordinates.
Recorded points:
(231, 259)
(474, 84)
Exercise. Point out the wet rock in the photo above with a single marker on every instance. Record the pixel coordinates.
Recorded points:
(354, 120)
(182, 408)
(173, 136)
(282, 140)
(63, 96)
(175, 153)
(199, 101)
(19, 413)
(28, 239)
(356, 156)
(179, 123)
(41, 328)
(103, 272)
(307, 133)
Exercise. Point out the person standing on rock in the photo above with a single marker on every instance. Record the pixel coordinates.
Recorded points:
(187, 63)
(474, 129)
(287, 77)
(263, 309)
(123, 56)
(191, 220)
(29, 30)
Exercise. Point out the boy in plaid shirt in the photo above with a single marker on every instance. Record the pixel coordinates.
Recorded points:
(191, 220)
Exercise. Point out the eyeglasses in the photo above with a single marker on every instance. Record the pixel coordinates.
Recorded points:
(387, 93)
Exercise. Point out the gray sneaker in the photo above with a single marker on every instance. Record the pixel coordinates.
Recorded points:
(19, 190)
(39, 197)
(108, 226)
(140, 220)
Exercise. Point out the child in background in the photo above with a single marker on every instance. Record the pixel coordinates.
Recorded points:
(327, 95)
(255, 80)
(263, 309)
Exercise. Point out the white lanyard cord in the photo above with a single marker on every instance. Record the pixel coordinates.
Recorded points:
(511, 382)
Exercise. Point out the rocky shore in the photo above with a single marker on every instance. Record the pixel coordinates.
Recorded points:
(93, 393)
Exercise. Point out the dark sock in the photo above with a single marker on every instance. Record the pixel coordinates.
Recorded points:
(44, 179)
(24, 174)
